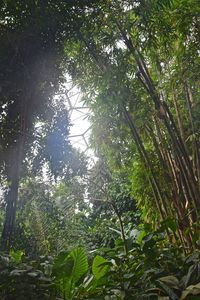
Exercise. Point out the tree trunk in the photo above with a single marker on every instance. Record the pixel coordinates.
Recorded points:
(13, 171)
(178, 115)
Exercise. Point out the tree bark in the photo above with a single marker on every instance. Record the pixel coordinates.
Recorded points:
(13, 167)
(13, 171)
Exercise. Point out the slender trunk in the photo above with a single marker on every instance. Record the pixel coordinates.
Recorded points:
(121, 227)
(158, 151)
(183, 159)
(166, 117)
(178, 115)
(14, 162)
(196, 155)
(168, 120)
(160, 202)
(13, 172)
(189, 180)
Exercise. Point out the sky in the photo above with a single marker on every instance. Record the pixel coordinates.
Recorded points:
(80, 125)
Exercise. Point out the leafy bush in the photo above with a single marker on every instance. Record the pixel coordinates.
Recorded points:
(25, 280)
(150, 270)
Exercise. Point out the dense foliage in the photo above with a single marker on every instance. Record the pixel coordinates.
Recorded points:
(150, 270)
(135, 76)
(127, 226)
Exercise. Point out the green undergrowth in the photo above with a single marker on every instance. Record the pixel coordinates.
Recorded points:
(148, 268)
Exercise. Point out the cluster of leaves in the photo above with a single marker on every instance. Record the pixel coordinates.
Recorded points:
(32, 71)
(24, 279)
(121, 49)
(151, 154)
(52, 219)
(151, 269)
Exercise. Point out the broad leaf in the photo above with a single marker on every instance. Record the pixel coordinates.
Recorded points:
(191, 290)
(80, 264)
(171, 281)
(99, 267)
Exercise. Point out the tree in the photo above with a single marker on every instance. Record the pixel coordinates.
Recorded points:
(130, 62)
(113, 209)
(32, 35)
(50, 220)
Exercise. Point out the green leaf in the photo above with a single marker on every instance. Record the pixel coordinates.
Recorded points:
(99, 268)
(63, 265)
(140, 237)
(16, 255)
(33, 274)
(60, 260)
(17, 272)
(80, 264)
(69, 269)
(168, 290)
(171, 281)
(169, 223)
(190, 274)
(191, 290)
(4, 261)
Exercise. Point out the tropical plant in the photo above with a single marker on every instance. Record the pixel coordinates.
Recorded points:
(123, 58)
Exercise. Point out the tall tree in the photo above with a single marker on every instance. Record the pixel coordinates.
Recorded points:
(32, 35)
(133, 55)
